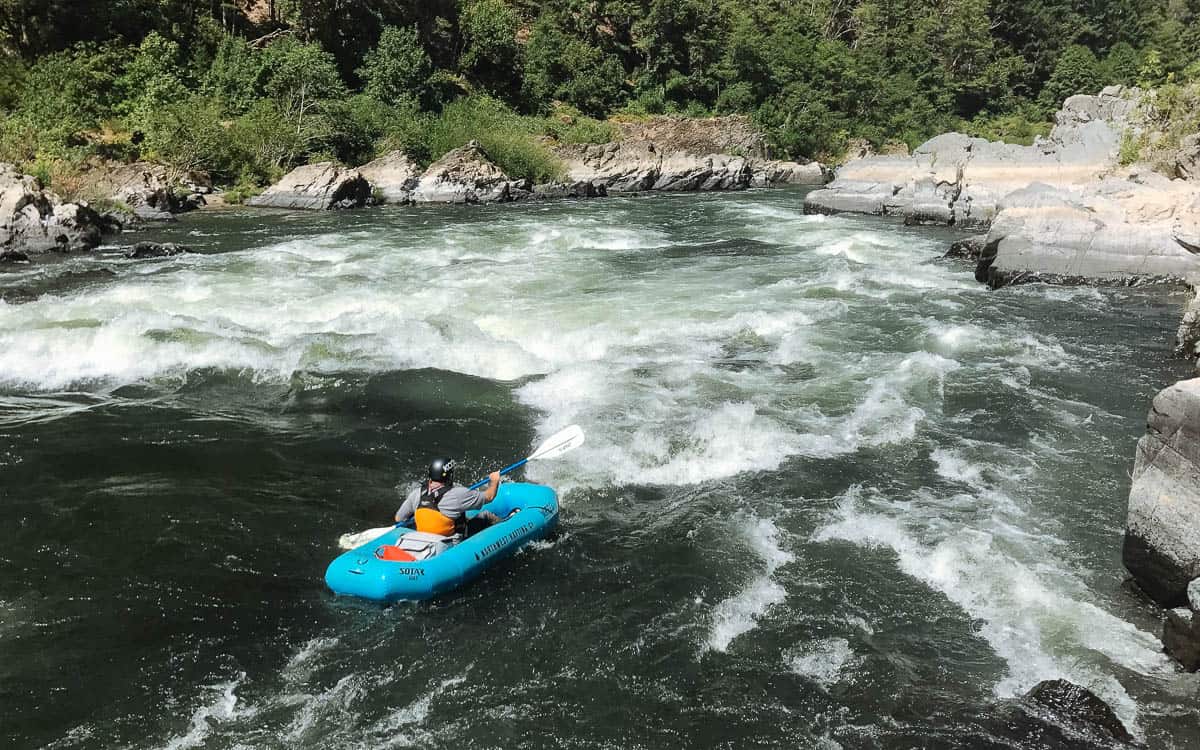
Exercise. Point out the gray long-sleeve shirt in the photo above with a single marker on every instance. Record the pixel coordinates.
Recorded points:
(456, 502)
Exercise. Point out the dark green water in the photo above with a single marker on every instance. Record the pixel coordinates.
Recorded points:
(834, 494)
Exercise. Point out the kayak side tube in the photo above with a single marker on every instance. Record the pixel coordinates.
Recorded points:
(360, 572)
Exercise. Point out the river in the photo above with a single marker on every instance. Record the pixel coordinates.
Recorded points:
(834, 493)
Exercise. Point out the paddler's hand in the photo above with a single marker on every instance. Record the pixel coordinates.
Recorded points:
(494, 477)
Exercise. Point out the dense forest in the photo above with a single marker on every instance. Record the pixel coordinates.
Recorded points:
(249, 89)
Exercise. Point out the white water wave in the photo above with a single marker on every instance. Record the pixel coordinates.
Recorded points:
(739, 614)
(1035, 615)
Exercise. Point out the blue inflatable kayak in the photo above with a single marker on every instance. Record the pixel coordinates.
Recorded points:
(407, 564)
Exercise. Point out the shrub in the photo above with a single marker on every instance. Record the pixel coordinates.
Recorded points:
(234, 77)
(188, 135)
(567, 125)
(504, 134)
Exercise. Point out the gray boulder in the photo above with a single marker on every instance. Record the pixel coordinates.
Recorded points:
(771, 172)
(580, 189)
(152, 191)
(1181, 637)
(319, 186)
(1119, 229)
(625, 167)
(467, 175)
(1187, 160)
(1079, 711)
(1162, 532)
(678, 171)
(155, 250)
(34, 220)
(393, 177)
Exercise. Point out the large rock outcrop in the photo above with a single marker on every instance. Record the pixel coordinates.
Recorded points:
(637, 166)
(1134, 224)
(1162, 532)
(319, 186)
(393, 177)
(467, 175)
(151, 191)
(34, 220)
(960, 180)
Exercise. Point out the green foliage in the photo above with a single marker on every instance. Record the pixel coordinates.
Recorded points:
(1077, 72)
(490, 53)
(1121, 65)
(561, 67)
(178, 81)
(503, 134)
(1130, 149)
(1015, 127)
(234, 75)
(568, 125)
(188, 134)
(397, 71)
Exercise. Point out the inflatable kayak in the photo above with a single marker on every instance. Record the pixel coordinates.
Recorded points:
(408, 564)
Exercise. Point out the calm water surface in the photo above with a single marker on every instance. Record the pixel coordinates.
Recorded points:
(834, 494)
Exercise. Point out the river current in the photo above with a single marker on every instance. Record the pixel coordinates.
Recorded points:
(834, 493)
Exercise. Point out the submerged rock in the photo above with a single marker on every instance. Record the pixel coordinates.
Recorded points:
(393, 177)
(1162, 532)
(155, 250)
(1079, 711)
(580, 189)
(467, 175)
(319, 186)
(13, 256)
(968, 248)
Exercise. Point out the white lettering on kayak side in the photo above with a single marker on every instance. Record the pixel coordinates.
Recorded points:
(504, 541)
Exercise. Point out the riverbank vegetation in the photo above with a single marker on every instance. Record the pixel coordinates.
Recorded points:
(249, 89)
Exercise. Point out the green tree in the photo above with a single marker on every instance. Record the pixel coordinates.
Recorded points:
(1121, 64)
(152, 79)
(564, 68)
(490, 53)
(397, 71)
(1077, 72)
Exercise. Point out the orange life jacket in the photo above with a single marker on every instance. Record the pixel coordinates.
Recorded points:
(431, 520)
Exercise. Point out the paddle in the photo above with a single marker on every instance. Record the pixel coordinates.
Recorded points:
(563, 441)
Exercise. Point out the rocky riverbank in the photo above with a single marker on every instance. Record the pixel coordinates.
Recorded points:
(1061, 210)
(468, 175)
(1066, 210)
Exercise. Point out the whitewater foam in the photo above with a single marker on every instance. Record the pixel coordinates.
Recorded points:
(739, 614)
(1035, 615)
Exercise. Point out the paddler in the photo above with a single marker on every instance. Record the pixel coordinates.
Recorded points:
(440, 507)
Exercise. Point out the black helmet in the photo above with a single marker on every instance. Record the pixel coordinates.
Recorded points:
(442, 470)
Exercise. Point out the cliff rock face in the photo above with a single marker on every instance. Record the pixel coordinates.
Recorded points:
(393, 177)
(960, 180)
(34, 220)
(1162, 533)
(467, 175)
(636, 166)
(319, 186)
